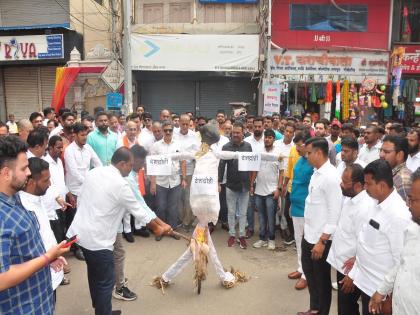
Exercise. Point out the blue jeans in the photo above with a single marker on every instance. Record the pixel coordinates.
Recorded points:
(267, 214)
(101, 278)
(237, 200)
(168, 204)
(250, 216)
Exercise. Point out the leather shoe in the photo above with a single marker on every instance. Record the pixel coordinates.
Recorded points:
(143, 232)
(294, 275)
(301, 284)
(79, 254)
(249, 234)
(129, 237)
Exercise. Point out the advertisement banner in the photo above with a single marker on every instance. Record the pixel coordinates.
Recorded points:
(320, 66)
(271, 99)
(31, 47)
(411, 61)
(195, 53)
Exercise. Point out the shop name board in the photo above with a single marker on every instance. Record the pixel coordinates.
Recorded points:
(31, 47)
(228, 1)
(315, 66)
(411, 61)
(272, 99)
(171, 52)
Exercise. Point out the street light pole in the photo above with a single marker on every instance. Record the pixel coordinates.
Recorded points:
(128, 79)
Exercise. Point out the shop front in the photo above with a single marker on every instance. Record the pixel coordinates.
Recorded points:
(197, 73)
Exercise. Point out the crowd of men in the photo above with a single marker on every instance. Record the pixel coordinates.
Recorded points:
(346, 197)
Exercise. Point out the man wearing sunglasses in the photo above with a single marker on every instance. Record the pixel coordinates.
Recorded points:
(168, 189)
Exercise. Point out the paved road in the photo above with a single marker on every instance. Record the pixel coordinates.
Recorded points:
(268, 291)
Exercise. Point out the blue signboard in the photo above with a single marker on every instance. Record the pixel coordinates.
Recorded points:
(228, 1)
(114, 100)
(54, 47)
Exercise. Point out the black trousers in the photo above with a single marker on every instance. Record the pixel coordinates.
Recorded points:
(223, 204)
(57, 226)
(347, 303)
(318, 276)
(101, 278)
(287, 215)
(365, 303)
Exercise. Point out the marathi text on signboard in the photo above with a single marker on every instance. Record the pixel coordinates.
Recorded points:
(249, 161)
(271, 99)
(315, 66)
(159, 165)
(204, 185)
(411, 60)
(31, 47)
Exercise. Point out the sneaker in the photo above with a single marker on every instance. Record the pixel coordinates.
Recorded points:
(124, 294)
(231, 241)
(129, 237)
(242, 242)
(271, 245)
(249, 234)
(259, 244)
(289, 240)
(143, 232)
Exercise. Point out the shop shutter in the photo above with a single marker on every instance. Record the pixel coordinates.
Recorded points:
(178, 96)
(47, 85)
(21, 90)
(217, 94)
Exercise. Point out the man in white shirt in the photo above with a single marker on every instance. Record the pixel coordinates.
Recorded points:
(349, 154)
(381, 238)
(343, 247)
(322, 211)
(100, 211)
(403, 279)
(413, 160)
(168, 189)
(189, 143)
(37, 143)
(267, 192)
(79, 158)
(30, 196)
(369, 152)
(321, 130)
(256, 140)
(146, 137)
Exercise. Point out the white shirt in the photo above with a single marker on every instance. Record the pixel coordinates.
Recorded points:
(56, 131)
(257, 145)
(369, 155)
(78, 162)
(268, 176)
(323, 203)
(33, 203)
(217, 147)
(413, 162)
(379, 250)
(101, 208)
(188, 143)
(404, 279)
(57, 188)
(342, 166)
(353, 215)
(284, 150)
(146, 138)
(161, 147)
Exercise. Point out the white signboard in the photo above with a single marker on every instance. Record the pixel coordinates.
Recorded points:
(249, 161)
(31, 47)
(159, 165)
(321, 66)
(180, 52)
(113, 75)
(271, 99)
(204, 185)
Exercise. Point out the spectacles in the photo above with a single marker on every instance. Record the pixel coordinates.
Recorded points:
(167, 130)
(386, 151)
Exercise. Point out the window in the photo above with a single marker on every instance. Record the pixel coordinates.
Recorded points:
(153, 13)
(215, 13)
(244, 13)
(180, 12)
(327, 17)
(410, 26)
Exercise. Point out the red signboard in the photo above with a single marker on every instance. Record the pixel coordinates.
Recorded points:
(319, 24)
(411, 61)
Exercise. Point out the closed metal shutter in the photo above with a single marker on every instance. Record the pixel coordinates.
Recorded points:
(178, 96)
(47, 85)
(217, 94)
(21, 90)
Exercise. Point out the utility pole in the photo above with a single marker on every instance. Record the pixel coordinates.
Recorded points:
(128, 79)
(268, 53)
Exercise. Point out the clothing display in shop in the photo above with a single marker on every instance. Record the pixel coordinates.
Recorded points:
(410, 90)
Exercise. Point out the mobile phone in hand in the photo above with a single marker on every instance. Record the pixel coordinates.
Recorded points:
(70, 241)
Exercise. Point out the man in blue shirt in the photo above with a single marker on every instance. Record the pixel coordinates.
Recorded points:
(302, 173)
(25, 279)
(102, 140)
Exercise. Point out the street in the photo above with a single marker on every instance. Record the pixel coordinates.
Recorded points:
(268, 291)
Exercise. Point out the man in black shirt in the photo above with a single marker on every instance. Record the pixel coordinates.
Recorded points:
(237, 185)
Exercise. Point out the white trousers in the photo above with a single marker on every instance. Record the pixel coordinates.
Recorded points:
(298, 224)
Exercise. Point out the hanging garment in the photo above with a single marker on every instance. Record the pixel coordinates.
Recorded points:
(346, 100)
(410, 90)
(337, 100)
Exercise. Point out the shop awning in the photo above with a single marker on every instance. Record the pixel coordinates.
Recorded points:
(35, 27)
